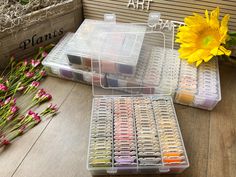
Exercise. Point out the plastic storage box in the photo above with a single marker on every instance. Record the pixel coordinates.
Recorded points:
(138, 132)
(87, 42)
(196, 87)
(57, 64)
(199, 87)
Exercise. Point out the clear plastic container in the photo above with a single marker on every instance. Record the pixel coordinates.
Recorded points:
(133, 130)
(57, 64)
(199, 87)
(189, 85)
(135, 134)
(87, 42)
(147, 138)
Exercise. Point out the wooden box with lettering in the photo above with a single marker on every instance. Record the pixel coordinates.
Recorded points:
(131, 11)
(47, 25)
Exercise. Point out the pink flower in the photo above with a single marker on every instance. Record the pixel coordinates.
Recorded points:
(39, 94)
(7, 100)
(5, 142)
(29, 74)
(44, 54)
(35, 84)
(43, 73)
(34, 115)
(29, 113)
(1, 103)
(35, 63)
(3, 88)
(21, 88)
(14, 109)
(10, 100)
(25, 62)
(22, 129)
(53, 108)
(46, 97)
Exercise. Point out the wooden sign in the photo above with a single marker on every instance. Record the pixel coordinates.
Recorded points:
(27, 39)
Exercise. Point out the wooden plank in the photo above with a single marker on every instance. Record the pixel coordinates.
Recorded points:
(62, 149)
(167, 8)
(222, 148)
(12, 156)
(172, 10)
(194, 125)
(133, 17)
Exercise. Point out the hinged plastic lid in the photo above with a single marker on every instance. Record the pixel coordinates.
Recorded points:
(86, 40)
(134, 61)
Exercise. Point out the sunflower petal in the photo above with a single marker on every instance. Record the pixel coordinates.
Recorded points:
(207, 16)
(215, 51)
(224, 28)
(206, 59)
(214, 18)
(226, 52)
(196, 56)
(225, 20)
(198, 62)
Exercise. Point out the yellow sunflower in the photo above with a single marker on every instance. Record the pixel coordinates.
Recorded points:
(203, 37)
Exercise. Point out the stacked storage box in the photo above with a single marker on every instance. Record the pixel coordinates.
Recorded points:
(134, 127)
(129, 133)
(197, 87)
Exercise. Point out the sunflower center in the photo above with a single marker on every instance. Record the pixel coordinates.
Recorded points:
(209, 40)
(206, 41)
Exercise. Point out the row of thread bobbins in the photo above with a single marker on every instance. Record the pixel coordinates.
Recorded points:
(147, 138)
(154, 67)
(101, 133)
(187, 87)
(142, 63)
(124, 133)
(188, 77)
(207, 79)
(170, 138)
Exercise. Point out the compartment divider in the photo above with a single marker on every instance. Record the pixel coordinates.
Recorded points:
(157, 130)
(136, 141)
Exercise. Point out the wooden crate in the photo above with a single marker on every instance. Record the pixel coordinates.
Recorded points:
(25, 39)
(170, 9)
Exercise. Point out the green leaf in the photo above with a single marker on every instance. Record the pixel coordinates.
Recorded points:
(24, 2)
(232, 41)
(232, 33)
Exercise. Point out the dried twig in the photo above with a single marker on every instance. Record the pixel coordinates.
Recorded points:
(11, 11)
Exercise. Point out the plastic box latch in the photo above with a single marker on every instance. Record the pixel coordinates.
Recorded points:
(112, 171)
(110, 18)
(154, 18)
(164, 170)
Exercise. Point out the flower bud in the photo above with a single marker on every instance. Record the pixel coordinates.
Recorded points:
(35, 63)
(3, 88)
(29, 74)
(35, 84)
(14, 109)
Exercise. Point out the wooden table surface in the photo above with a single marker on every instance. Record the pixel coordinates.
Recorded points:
(58, 147)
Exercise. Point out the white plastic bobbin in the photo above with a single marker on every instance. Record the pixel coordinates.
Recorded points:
(110, 18)
(153, 19)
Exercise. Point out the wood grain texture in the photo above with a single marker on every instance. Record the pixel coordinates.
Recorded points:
(222, 145)
(62, 149)
(12, 156)
(171, 10)
(24, 41)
